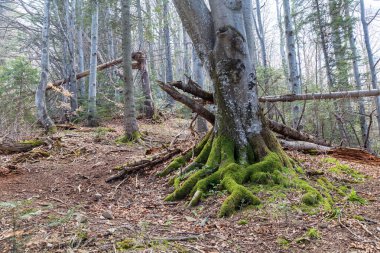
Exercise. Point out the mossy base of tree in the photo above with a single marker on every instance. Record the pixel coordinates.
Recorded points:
(220, 162)
(129, 138)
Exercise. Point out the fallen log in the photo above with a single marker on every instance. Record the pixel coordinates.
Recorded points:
(294, 134)
(210, 117)
(137, 57)
(193, 105)
(304, 146)
(319, 96)
(8, 146)
(194, 89)
(143, 164)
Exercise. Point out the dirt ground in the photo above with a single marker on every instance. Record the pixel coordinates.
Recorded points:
(62, 203)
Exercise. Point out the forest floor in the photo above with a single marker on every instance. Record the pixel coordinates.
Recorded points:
(62, 203)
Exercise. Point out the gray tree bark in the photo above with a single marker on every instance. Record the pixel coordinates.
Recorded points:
(92, 114)
(198, 76)
(82, 82)
(145, 80)
(358, 82)
(130, 123)
(249, 27)
(168, 51)
(371, 61)
(72, 81)
(294, 75)
(40, 97)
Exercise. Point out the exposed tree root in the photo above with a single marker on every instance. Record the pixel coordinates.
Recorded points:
(142, 164)
(221, 163)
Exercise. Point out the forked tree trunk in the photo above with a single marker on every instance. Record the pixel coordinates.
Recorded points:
(40, 98)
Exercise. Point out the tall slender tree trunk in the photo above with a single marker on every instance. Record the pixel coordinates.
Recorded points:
(40, 97)
(371, 61)
(187, 52)
(199, 77)
(294, 76)
(261, 35)
(92, 112)
(130, 123)
(72, 81)
(145, 80)
(331, 80)
(358, 82)
(150, 35)
(249, 27)
(168, 51)
(284, 62)
(82, 81)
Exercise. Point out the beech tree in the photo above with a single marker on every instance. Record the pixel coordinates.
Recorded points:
(131, 130)
(40, 97)
(241, 147)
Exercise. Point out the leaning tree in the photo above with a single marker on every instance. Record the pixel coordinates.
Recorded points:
(240, 148)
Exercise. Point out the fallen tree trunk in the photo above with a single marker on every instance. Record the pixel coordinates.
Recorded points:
(143, 164)
(9, 146)
(304, 146)
(319, 96)
(210, 117)
(194, 89)
(137, 57)
(193, 105)
(294, 134)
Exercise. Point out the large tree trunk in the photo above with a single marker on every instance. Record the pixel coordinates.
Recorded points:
(241, 145)
(92, 115)
(371, 62)
(130, 123)
(40, 97)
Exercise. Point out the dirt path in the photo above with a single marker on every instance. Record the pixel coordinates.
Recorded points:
(62, 204)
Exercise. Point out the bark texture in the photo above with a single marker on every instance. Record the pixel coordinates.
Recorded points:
(130, 122)
(92, 116)
(40, 97)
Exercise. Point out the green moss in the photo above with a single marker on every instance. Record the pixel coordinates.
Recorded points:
(34, 143)
(340, 169)
(359, 218)
(354, 197)
(311, 198)
(201, 151)
(330, 160)
(174, 165)
(188, 185)
(126, 244)
(283, 242)
(242, 222)
(313, 233)
(260, 178)
(129, 138)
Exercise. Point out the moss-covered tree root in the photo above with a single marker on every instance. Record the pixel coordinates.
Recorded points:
(220, 161)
